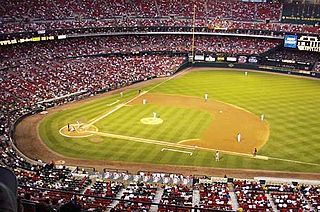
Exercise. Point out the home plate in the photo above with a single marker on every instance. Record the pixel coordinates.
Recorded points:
(175, 150)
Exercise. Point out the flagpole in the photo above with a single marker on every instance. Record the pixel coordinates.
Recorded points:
(193, 35)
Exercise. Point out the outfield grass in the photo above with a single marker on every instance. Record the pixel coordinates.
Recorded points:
(289, 104)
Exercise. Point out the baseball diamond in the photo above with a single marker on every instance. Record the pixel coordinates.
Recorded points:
(109, 131)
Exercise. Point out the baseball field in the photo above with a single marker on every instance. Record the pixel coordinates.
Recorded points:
(170, 122)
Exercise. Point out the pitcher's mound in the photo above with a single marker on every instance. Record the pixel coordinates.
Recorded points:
(151, 121)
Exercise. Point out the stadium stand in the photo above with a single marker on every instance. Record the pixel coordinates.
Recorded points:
(37, 72)
(251, 196)
(284, 54)
(215, 196)
(18, 55)
(317, 66)
(104, 9)
(52, 15)
(301, 13)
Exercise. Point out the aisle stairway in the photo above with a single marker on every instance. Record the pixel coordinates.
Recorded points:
(233, 197)
(115, 202)
(274, 207)
(195, 198)
(157, 199)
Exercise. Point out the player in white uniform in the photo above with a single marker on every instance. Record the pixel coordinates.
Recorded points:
(238, 137)
(217, 156)
(206, 96)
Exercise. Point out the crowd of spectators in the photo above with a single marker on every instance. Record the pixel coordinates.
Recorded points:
(317, 66)
(51, 79)
(33, 53)
(301, 56)
(159, 24)
(140, 8)
(215, 195)
(292, 59)
(130, 195)
(35, 16)
(175, 195)
(143, 193)
(251, 196)
(288, 197)
(312, 194)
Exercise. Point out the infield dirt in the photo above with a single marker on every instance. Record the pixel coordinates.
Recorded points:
(228, 121)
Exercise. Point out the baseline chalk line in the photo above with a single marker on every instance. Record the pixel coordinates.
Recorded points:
(175, 150)
(131, 100)
(113, 103)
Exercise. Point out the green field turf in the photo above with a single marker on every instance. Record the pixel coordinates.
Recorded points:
(290, 105)
(176, 121)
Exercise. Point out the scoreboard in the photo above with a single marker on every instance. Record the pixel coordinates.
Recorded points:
(302, 42)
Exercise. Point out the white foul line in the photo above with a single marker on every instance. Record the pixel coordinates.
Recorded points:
(142, 140)
(134, 98)
(175, 150)
(113, 103)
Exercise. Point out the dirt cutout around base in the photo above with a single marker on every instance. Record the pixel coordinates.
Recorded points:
(228, 121)
(77, 131)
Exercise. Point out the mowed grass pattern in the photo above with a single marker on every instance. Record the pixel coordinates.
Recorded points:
(290, 106)
(175, 127)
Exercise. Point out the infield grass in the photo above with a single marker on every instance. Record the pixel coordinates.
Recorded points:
(290, 105)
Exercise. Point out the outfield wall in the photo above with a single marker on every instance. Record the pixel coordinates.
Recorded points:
(250, 66)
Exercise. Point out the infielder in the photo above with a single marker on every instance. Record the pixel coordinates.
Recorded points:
(206, 97)
(238, 137)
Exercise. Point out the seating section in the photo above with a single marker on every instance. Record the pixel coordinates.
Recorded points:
(19, 55)
(288, 197)
(312, 194)
(155, 8)
(164, 24)
(317, 66)
(301, 12)
(251, 196)
(176, 195)
(62, 77)
(36, 15)
(289, 201)
(215, 196)
(101, 188)
(301, 56)
(140, 196)
(131, 193)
